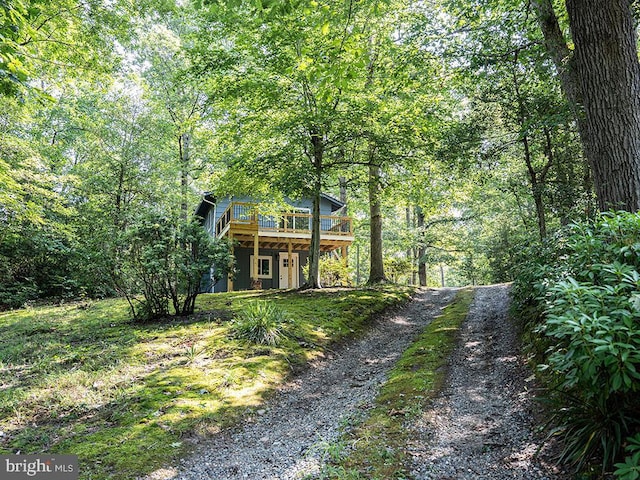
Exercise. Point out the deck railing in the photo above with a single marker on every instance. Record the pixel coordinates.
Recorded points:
(292, 222)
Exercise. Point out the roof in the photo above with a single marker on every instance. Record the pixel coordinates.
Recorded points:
(205, 204)
(334, 201)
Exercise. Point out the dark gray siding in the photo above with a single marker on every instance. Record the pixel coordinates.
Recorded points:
(243, 259)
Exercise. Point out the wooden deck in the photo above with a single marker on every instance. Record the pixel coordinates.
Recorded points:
(285, 230)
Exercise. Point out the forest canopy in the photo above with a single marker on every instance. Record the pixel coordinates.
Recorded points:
(451, 128)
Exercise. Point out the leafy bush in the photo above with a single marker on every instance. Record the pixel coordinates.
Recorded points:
(630, 469)
(260, 322)
(397, 267)
(164, 261)
(333, 271)
(581, 294)
(35, 264)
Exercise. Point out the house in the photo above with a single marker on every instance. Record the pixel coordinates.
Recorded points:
(271, 248)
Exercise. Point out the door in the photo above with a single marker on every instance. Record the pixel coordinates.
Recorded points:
(284, 271)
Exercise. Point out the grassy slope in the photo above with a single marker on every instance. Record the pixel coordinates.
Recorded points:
(378, 444)
(127, 398)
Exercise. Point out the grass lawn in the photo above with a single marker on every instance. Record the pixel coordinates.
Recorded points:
(128, 398)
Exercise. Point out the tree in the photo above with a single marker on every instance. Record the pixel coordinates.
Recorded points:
(64, 36)
(601, 78)
(174, 96)
(47, 49)
(397, 108)
(280, 75)
(502, 67)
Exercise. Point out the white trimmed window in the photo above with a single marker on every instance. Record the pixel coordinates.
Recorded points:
(264, 267)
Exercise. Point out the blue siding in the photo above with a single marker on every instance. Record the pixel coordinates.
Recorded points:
(207, 285)
(221, 206)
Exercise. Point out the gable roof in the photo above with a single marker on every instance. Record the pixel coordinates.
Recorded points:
(205, 204)
(334, 202)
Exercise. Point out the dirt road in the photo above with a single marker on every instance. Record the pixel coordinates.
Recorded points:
(480, 427)
(287, 438)
(483, 425)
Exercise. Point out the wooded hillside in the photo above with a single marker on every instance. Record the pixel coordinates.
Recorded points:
(451, 128)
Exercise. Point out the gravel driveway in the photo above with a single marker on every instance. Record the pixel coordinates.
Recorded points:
(284, 440)
(482, 425)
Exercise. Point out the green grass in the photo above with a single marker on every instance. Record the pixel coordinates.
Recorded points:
(378, 443)
(129, 398)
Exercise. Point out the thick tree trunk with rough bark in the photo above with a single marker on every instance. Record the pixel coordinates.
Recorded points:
(606, 62)
(376, 271)
(313, 281)
(602, 75)
(314, 251)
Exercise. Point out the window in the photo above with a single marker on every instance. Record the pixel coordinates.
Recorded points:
(264, 267)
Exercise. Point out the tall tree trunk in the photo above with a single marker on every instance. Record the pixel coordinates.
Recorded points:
(119, 201)
(536, 181)
(410, 256)
(376, 270)
(603, 76)
(556, 46)
(376, 261)
(422, 251)
(183, 144)
(537, 189)
(343, 193)
(314, 250)
(606, 61)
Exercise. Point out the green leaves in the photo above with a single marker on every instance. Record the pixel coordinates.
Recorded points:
(630, 469)
(13, 23)
(261, 322)
(164, 261)
(588, 285)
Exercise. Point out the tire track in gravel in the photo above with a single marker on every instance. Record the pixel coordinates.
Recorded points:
(482, 425)
(281, 441)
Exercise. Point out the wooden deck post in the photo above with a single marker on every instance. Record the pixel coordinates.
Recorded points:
(289, 265)
(255, 281)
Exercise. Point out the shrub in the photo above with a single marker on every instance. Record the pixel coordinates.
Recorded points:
(630, 469)
(397, 267)
(164, 261)
(581, 295)
(333, 271)
(261, 323)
